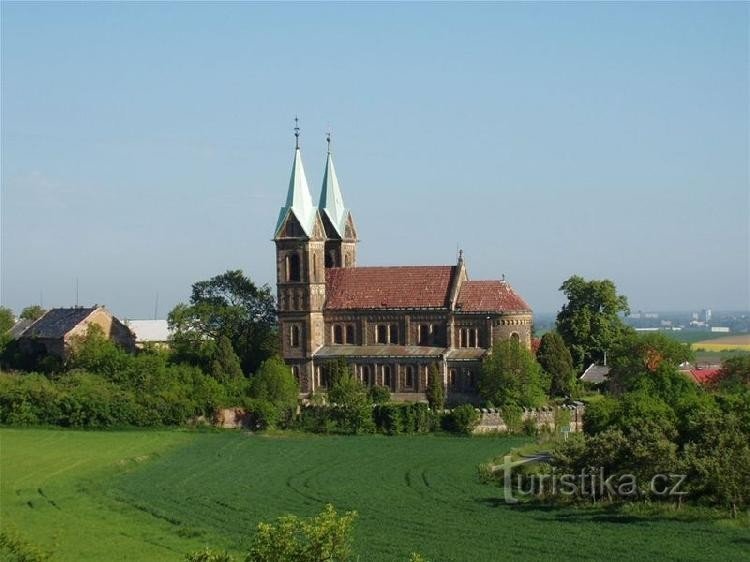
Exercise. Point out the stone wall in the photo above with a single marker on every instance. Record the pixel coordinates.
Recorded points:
(491, 419)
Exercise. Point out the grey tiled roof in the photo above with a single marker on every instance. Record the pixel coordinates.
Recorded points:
(595, 373)
(57, 322)
(19, 328)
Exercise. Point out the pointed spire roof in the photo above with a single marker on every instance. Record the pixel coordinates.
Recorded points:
(298, 199)
(331, 200)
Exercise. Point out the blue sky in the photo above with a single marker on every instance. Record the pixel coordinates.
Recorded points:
(148, 146)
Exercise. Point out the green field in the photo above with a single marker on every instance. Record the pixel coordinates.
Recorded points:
(156, 495)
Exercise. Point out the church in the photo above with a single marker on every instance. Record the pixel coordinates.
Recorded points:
(391, 323)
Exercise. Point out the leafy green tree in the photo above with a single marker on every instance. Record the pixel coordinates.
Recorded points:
(226, 365)
(650, 362)
(557, 362)
(464, 419)
(334, 370)
(327, 536)
(274, 382)
(718, 462)
(98, 354)
(33, 312)
(511, 375)
(589, 322)
(735, 374)
(435, 392)
(228, 305)
(352, 408)
(380, 394)
(7, 319)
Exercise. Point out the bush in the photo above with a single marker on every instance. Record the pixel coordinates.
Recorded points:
(209, 555)
(263, 413)
(464, 419)
(395, 419)
(327, 536)
(380, 394)
(513, 418)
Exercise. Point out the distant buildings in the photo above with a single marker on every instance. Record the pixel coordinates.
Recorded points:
(149, 332)
(55, 332)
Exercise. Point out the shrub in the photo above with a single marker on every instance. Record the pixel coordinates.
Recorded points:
(327, 536)
(435, 392)
(263, 413)
(513, 418)
(209, 555)
(464, 419)
(275, 383)
(394, 419)
(380, 394)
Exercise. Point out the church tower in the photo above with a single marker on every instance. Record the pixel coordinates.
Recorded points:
(341, 234)
(300, 275)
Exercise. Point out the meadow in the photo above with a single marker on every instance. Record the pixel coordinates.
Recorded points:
(154, 495)
(726, 343)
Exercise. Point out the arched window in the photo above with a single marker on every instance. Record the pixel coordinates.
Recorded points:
(295, 372)
(515, 338)
(293, 272)
(348, 261)
(294, 335)
(349, 333)
(387, 376)
(366, 375)
(338, 334)
(409, 376)
(452, 378)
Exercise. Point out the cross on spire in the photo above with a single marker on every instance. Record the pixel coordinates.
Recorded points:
(328, 140)
(296, 132)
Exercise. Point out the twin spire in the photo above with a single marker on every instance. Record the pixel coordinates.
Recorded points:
(300, 202)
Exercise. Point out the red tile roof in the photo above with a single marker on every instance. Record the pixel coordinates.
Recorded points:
(705, 376)
(489, 296)
(388, 287)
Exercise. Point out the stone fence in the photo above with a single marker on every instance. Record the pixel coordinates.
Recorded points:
(491, 419)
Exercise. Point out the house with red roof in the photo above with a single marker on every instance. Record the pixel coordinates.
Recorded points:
(391, 323)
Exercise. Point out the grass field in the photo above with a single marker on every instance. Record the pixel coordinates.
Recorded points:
(726, 343)
(156, 495)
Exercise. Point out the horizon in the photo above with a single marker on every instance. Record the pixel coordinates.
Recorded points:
(608, 141)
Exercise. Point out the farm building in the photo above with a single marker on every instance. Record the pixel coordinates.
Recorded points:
(149, 332)
(55, 332)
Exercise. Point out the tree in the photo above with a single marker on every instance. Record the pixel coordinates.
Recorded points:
(380, 394)
(557, 362)
(274, 383)
(327, 536)
(351, 405)
(510, 375)
(226, 365)
(650, 363)
(735, 374)
(589, 322)
(7, 320)
(435, 392)
(464, 419)
(33, 312)
(228, 305)
(334, 370)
